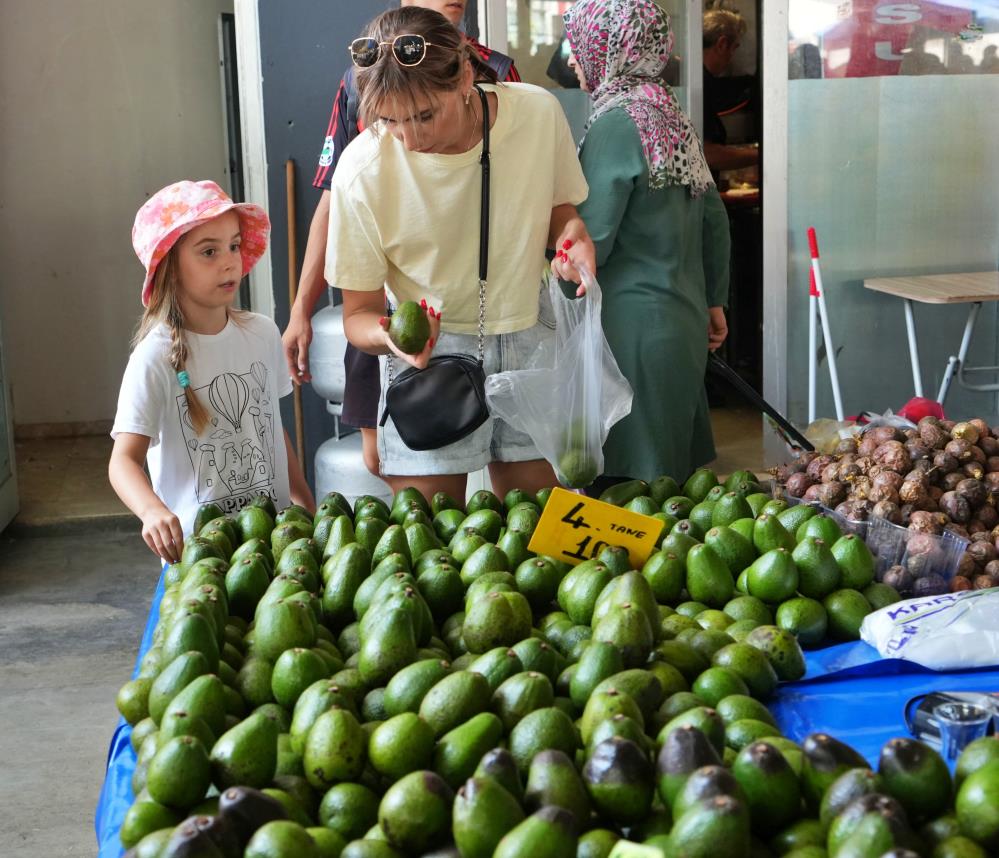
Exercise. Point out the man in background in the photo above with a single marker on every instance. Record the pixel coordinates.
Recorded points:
(723, 32)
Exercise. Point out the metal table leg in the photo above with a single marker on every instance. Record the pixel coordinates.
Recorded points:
(910, 327)
(954, 364)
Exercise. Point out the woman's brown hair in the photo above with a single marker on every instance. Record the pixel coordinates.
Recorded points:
(441, 70)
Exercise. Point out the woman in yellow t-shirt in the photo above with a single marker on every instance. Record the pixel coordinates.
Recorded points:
(405, 213)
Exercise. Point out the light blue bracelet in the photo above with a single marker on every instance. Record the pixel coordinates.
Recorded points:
(183, 378)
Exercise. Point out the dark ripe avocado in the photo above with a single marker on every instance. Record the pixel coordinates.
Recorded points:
(705, 783)
(409, 328)
(685, 749)
(499, 765)
(188, 841)
(917, 777)
(846, 823)
(619, 778)
(825, 760)
(773, 793)
(221, 832)
(850, 785)
(247, 809)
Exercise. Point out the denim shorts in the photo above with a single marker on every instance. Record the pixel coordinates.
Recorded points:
(495, 440)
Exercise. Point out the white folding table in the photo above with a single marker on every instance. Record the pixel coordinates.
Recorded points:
(973, 288)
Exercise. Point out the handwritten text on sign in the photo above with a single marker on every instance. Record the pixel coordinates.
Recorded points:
(575, 528)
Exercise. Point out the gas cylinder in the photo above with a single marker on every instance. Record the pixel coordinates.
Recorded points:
(326, 354)
(340, 468)
(339, 463)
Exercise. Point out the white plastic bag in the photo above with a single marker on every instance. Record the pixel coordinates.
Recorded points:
(948, 632)
(570, 392)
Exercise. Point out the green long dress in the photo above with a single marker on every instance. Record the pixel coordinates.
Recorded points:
(662, 260)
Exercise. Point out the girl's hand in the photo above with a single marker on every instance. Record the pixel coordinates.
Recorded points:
(162, 532)
(717, 327)
(420, 360)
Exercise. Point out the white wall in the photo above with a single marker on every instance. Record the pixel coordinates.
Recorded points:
(102, 102)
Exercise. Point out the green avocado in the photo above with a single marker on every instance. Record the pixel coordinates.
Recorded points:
(409, 328)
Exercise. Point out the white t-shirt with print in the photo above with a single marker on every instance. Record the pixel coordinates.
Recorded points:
(239, 375)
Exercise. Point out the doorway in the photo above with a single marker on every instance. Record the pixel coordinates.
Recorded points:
(531, 32)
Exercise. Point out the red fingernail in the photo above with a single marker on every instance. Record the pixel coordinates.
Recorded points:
(567, 244)
(383, 320)
(423, 303)
(430, 342)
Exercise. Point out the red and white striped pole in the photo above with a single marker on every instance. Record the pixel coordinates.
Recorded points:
(813, 345)
(813, 247)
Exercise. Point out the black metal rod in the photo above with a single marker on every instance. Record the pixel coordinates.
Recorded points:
(719, 367)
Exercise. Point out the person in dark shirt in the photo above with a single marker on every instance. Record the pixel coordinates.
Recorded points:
(360, 405)
(723, 32)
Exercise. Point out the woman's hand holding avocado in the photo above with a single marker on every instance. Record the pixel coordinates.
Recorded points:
(392, 340)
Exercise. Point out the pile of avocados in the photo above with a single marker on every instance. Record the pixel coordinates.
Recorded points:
(382, 681)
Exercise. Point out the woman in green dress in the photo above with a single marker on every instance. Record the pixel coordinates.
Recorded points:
(661, 236)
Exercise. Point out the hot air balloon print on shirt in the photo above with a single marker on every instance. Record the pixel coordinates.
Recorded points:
(234, 456)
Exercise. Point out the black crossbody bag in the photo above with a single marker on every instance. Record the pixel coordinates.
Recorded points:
(446, 401)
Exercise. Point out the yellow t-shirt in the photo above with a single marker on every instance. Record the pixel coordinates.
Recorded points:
(410, 220)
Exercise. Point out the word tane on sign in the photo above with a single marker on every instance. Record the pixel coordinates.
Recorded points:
(575, 528)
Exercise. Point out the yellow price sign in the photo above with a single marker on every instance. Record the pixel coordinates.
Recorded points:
(575, 528)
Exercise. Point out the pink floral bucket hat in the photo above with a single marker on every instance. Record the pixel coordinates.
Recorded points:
(182, 206)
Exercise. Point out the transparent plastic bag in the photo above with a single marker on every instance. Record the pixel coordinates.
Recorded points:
(825, 433)
(889, 418)
(570, 393)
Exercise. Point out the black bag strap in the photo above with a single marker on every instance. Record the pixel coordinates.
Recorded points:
(483, 221)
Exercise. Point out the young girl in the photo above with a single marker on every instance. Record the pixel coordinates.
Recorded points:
(199, 399)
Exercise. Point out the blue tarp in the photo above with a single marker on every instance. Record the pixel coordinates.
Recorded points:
(116, 794)
(848, 691)
(852, 694)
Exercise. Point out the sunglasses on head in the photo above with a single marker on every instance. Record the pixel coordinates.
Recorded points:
(408, 50)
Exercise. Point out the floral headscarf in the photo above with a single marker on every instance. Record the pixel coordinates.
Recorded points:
(622, 47)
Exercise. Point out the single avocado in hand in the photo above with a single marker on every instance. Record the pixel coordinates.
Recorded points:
(409, 328)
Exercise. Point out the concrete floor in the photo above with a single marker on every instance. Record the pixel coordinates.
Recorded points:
(76, 582)
(72, 611)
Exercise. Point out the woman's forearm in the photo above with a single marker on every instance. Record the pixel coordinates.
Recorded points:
(566, 224)
(364, 331)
